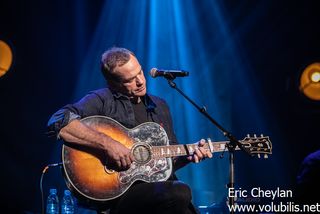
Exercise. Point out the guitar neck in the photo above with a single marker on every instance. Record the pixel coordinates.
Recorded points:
(187, 149)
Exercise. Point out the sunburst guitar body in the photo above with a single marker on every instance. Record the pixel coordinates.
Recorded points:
(85, 168)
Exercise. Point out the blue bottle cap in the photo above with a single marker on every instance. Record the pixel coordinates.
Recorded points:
(53, 191)
(67, 192)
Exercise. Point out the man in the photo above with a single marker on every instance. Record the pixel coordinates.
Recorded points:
(126, 101)
(307, 182)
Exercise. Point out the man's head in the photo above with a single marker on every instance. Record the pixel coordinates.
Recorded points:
(123, 72)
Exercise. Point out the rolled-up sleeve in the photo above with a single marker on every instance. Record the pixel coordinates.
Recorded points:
(59, 120)
(91, 104)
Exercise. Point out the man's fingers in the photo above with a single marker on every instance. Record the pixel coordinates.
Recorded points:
(202, 142)
(128, 160)
(196, 159)
(131, 157)
(118, 164)
(203, 151)
(198, 153)
(206, 153)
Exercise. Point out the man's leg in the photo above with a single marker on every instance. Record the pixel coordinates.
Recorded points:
(157, 198)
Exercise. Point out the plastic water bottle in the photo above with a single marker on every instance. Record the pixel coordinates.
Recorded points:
(67, 205)
(53, 202)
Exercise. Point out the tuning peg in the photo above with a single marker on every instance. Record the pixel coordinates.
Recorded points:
(208, 140)
(265, 156)
(248, 135)
(258, 155)
(261, 135)
(255, 136)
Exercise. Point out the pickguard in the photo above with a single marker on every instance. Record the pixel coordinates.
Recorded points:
(147, 168)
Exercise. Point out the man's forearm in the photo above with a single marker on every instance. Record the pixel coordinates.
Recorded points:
(119, 156)
(78, 133)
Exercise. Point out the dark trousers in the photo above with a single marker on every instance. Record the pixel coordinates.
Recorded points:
(155, 198)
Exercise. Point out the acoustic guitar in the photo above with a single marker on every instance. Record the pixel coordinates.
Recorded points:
(85, 169)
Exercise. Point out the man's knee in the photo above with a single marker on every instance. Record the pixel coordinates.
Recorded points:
(180, 192)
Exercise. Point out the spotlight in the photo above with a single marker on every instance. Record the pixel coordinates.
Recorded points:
(5, 58)
(310, 81)
(315, 77)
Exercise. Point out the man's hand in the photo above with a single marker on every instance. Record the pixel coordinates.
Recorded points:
(118, 157)
(200, 153)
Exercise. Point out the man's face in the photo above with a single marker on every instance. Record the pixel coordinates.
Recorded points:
(132, 81)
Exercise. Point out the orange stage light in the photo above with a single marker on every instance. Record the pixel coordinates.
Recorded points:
(310, 81)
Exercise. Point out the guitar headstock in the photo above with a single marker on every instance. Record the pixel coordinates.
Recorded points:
(257, 145)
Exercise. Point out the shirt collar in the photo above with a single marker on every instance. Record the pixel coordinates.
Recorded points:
(147, 100)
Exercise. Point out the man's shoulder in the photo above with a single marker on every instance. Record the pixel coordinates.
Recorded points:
(102, 92)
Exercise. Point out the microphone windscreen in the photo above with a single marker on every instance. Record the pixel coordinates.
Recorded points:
(153, 72)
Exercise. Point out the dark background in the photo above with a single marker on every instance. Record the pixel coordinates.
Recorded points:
(278, 44)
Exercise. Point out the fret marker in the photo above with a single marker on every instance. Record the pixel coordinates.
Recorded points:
(178, 150)
(168, 151)
(190, 149)
(210, 144)
(162, 152)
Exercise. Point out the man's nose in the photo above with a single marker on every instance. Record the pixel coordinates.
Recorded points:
(139, 80)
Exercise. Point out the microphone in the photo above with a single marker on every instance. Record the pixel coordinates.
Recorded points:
(171, 74)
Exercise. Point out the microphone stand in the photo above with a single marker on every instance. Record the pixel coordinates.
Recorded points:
(233, 142)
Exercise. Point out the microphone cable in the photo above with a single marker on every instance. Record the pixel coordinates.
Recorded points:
(41, 186)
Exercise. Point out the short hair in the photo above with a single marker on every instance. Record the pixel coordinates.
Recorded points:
(112, 58)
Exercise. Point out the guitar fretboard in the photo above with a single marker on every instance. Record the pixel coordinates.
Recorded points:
(187, 149)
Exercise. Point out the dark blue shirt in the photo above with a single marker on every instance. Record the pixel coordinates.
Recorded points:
(116, 106)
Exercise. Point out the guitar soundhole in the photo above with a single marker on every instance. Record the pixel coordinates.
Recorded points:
(141, 154)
